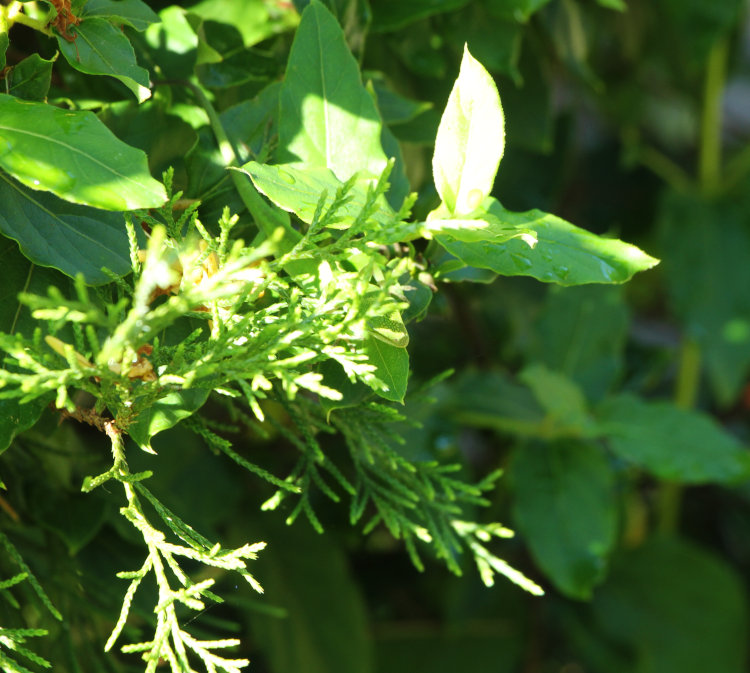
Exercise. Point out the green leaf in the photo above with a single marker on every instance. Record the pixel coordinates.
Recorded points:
(102, 49)
(257, 20)
(561, 398)
(21, 275)
(173, 43)
(325, 628)
(30, 79)
(134, 13)
(493, 400)
(16, 417)
(673, 443)
(581, 332)
(335, 377)
(565, 506)
(392, 368)
(707, 276)
(165, 138)
(480, 225)
(394, 108)
(676, 608)
(564, 254)
(75, 156)
(470, 139)
(298, 191)
(164, 414)
(327, 118)
(68, 237)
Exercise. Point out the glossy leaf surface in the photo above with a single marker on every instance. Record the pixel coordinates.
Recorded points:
(71, 238)
(327, 118)
(102, 49)
(30, 79)
(74, 156)
(564, 253)
(133, 13)
(392, 368)
(470, 139)
(166, 413)
(299, 190)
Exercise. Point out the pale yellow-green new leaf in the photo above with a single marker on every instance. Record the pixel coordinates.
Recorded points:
(470, 139)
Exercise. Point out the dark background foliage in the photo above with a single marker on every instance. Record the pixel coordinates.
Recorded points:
(630, 121)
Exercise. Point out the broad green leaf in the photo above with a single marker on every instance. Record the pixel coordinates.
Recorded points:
(164, 414)
(17, 271)
(673, 443)
(335, 377)
(561, 398)
(299, 190)
(22, 275)
(390, 329)
(707, 274)
(164, 138)
(71, 238)
(392, 368)
(30, 79)
(674, 608)
(394, 108)
(565, 507)
(327, 118)
(479, 226)
(419, 295)
(564, 254)
(16, 417)
(399, 182)
(229, 63)
(470, 139)
(102, 49)
(493, 400)
(257, 20)
(173, 43)
(391, 15)
(134, 13)
(75, 156)
(581, 332)
(324, 627)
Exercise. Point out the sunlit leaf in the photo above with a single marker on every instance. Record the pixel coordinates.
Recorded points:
(74, 156)
(470, 139)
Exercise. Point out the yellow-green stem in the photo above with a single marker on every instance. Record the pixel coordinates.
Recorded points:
(686, 392)
(709, 169)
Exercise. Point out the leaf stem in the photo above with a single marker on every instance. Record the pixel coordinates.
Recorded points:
(709, 166)
(686, 392)
(13, 13)
(268, 218)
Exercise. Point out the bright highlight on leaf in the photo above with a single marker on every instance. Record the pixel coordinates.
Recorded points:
(470, 139)
(74, 156)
